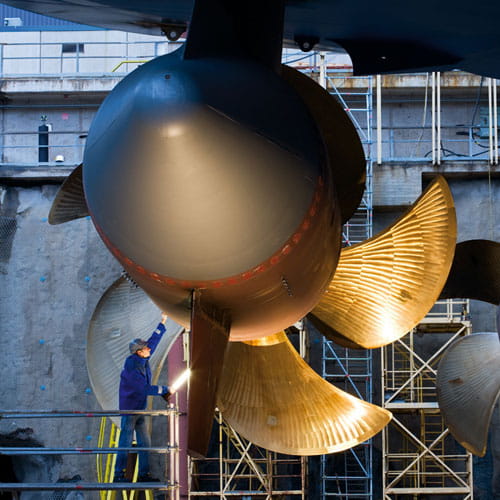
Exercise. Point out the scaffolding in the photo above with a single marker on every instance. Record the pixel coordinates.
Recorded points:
(104, 453)
(349, 475)
(237, 468)
(243, 470)
(419, 454)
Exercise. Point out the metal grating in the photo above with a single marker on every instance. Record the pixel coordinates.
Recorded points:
(8, 226)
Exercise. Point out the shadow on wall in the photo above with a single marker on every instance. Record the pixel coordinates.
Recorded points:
(30, 468)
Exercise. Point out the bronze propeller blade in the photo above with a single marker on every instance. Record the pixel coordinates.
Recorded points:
(69, 203)
(384, 286)
(124, 312)
(271, 396)
(468, 384)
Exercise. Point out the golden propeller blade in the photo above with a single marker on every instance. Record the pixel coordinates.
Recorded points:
(69, 203)
(468, 384)
(124, 312)
(273, 398)
(384, 286)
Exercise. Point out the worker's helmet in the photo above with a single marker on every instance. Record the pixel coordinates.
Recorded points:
(136, 345)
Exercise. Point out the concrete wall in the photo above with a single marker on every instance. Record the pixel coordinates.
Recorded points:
(407, 126)
(51, 278)
(68, 125)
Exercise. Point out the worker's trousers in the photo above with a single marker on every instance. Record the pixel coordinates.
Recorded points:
(129, 424)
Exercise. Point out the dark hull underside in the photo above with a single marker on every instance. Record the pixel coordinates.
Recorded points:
(385, 36)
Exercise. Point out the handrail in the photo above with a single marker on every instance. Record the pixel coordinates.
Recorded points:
(396, 145)
(80, 413)
(39, 450)
(81, 486)
(104, 484)
(132, 61)
(88, 58)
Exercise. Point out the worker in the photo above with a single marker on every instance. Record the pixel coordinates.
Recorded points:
(135, 387)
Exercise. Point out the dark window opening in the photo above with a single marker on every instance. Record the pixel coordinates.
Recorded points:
(73, 48)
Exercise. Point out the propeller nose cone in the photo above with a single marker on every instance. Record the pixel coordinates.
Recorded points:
(188, 187)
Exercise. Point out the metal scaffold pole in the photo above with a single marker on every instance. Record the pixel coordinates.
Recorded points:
(420, 457)
(349, 475)
(103, 454)
(235, 467)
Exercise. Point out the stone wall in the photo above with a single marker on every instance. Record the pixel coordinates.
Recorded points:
(51, 278)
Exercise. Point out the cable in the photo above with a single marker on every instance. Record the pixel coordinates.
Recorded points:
(478, 100)
(424, 117)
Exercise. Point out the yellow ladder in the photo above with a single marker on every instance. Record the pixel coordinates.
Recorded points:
(106, 468)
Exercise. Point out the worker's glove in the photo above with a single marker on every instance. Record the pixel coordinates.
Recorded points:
(165, 393)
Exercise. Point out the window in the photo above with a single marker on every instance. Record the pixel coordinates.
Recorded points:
(73, 48)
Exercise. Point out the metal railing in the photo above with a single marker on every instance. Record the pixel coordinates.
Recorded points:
(449, 311)
(402, 144)
(22, 147)
(414, 144)
(409, 143)
(85, 58)
(170, 450)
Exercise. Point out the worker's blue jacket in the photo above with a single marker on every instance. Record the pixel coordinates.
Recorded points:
(135, 379)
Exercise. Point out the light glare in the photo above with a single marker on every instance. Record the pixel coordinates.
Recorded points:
(179, 381)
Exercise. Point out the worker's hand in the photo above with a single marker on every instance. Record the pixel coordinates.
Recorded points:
(166, 394)
(164, 317)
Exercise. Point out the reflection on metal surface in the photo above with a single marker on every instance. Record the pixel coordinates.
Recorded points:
(124, 312)
(272, 397)
(475, 273)
(69, 203)
(253, 221)
(277, 338)
(383, 287)
(468, 384)
(341, 139)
